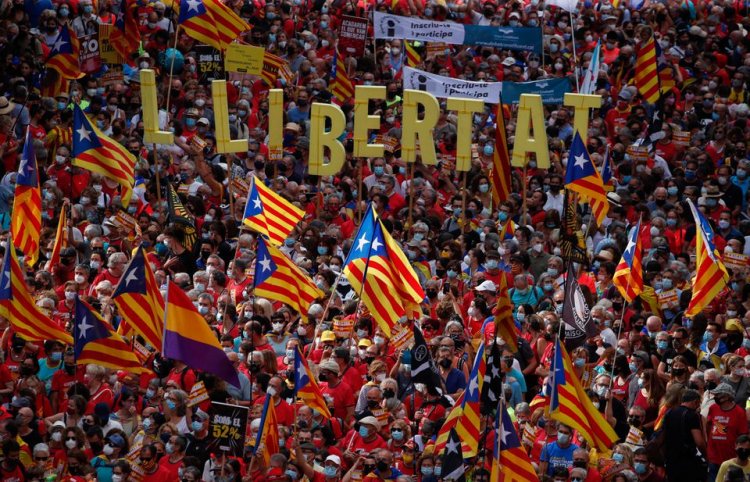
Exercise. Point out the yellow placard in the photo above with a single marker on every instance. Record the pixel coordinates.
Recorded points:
(736, 261)
(667, 298)
(107, 53)
(243, 58)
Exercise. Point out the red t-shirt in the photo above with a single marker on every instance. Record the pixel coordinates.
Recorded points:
(723, 428)
(342, 395)
(171, 468)
(353, 442)
(162, 474)
(102, 395)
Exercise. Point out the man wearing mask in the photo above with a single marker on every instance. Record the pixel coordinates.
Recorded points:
(555, 196)
(62, 380)
(86, 22)
(175, 452)
(742, 450)
(364, 439)
(725, 422)
(453, 378)
(683, 440)
(333, 387)
(644, 469)
(558, 453)
(198, 439)
(680, 340)
(617, 118)
(153, 472)
(538, 258)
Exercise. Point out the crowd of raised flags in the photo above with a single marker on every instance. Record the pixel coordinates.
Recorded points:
(583, 323)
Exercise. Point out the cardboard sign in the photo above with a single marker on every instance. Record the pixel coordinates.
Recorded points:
(246, 59)
(436, 48)
(210, 64)
(352, 35)
(91, 61)
(391, 144)
(736, 261)
(227, 430)
(402, 337)
(681, 138)
(240, 187)
(198, 394)
(667, 298)
(106, 52)
(637, 153)
(132, 458)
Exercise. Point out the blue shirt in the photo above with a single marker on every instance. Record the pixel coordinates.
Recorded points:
(455, 380)
(557, 457)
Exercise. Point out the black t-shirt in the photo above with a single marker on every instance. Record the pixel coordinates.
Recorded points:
(671, 353)
(198, 447)
(678, 440)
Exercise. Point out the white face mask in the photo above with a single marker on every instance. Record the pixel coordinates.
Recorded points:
(79, 278)
(108, 450)
(57, 436)
(71, 444)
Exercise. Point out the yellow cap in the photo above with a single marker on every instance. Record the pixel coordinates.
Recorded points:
(328, 335)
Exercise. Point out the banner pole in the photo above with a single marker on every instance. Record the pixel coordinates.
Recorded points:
(171, 66)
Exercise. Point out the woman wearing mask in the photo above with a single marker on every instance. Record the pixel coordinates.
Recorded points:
(115, 447)
(400, 434)
(427, 472)
(737, 379)
(176, 410)
(482, 188)
(581, 367)
(679, 373)
(126, 411)
(278, 337)
(73, 441)
(675, 231)
(651, 389)
(621, 381)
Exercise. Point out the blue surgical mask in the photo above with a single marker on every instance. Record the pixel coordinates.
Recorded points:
(289, 242)
(640, 468)
(190, 122)
(291, 474)
(671, 222)
(437, 471)
(491, 264)
(196, 426)
(552, 272)
(171, 404)
(427, 471)
(662, 344)
(397, 435)
(323, 25)
(746, 343)
(617, 457)
(666, 284)
(483, 188)
(708, 336)
(579, 362)
(56, 356)
(502, 216)
(672, 190)
(658, 285)
(563, 438)
(626, 179)
(711, 202)
(322, 250)
(633, 367)
(378, 170)
(488, 150)
(363, 431)
(330, 471)
(451, 274)
(548, 287)
(418, 237)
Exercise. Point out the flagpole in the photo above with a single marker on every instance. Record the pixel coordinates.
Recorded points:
(410, 174)
(524, 206)
(171, 66)
(575, 56)
(359, 191)
(156, 174)
(463, 200)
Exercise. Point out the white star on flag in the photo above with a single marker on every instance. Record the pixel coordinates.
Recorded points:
(266, 264)
(376, 244)
(256, 203)
(580, 161)
(59, 44)
(132, 276)
(83, 133)
(193, 5)
(83, 327)
(452, 446)
(631, 246)
(363, 241)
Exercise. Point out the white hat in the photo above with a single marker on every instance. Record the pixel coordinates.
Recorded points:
(487, 285)
(335, 459)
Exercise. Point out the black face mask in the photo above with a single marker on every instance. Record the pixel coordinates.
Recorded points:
(431, 293)
(367, 469)
(96, 447)
(711, 385)
(254, 368)
(70, 369)
(372, 404)
(26, 371)
(547, 336)
(383, 466)
(369, 359)
(389, 393)
(75, 470)
(446, 362)
(743, 454)
(581, 464)
(617, 306)
(634, 422)
(678, 372)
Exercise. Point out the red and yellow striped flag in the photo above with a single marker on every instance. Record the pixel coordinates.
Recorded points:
(570, 405)
(17, 305)
(413, 58)
(270, 214)
(97, 343)
(341, 86)
(26, 222)
(646, 74)
(505, 327)
(139, 301)
(274, 67)
(500, 176)
(628, 276)
(64, 56)
(210, 22)
(278, 278)
(61, 237)
(125, 37)
(710, 273)
(98, 153)
(468, 425)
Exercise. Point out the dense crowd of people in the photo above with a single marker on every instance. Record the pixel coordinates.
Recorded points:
(675, 389)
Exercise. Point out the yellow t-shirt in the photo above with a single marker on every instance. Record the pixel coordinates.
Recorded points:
(731, 463)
